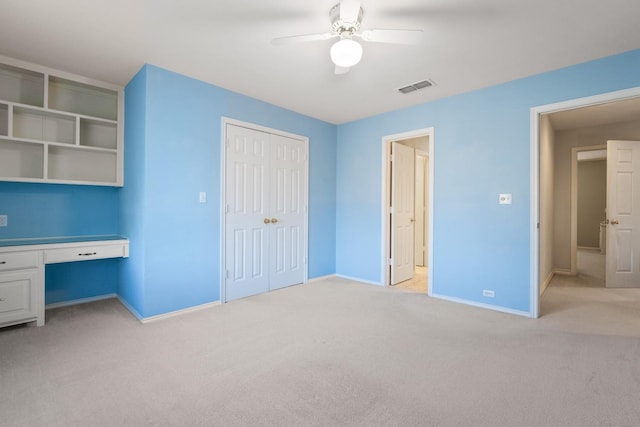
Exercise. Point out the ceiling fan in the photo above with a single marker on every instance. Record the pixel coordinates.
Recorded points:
(346, 20)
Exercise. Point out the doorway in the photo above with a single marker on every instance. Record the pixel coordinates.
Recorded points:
(417, 251)
(609, 116)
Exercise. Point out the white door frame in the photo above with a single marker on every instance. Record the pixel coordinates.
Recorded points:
(384, 211)
(223, 210)
(534, 240)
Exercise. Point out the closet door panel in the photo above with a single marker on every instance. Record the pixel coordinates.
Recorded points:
(247, 180)
(288, 175)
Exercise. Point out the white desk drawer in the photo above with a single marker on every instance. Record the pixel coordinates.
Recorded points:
(84, 253)
(15, 261)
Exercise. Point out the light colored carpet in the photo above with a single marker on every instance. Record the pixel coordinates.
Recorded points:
(331, 353)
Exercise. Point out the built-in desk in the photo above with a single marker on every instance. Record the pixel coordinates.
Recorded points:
(22, 263)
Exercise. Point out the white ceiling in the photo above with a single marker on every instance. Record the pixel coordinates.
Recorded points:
(467, 44)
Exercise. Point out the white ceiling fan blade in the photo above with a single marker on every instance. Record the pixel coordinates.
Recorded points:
(341, 70)
(392, 36)
(349, 10)
(303, 38)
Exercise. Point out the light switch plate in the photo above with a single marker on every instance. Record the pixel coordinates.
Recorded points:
(3, 220)
(203, 197)
(505, 199)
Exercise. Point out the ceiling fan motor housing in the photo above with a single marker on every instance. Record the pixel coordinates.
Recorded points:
(341, 27)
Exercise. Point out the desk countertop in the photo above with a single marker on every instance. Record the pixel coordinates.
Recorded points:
(60, 239)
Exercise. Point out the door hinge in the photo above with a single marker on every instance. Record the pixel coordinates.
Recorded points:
(226, 209)
(390, 209)
(227, 274)
(392, 158)
(390, 261)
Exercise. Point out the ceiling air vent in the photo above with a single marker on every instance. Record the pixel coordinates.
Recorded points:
(415, 86)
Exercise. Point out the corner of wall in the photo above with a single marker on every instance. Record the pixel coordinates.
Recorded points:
(132, 194)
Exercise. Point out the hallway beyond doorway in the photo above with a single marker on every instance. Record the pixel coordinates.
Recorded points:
(576, 299)
(417, 284)
(591, 271)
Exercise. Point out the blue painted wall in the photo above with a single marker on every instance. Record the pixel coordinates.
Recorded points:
(172, 152)
(49, 210)
(482, 144)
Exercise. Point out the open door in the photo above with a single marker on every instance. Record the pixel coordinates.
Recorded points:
(623, 214)
(402, 212)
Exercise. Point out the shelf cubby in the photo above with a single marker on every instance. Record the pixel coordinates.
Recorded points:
(4, 120)
(98, 133)
(80, 98)
(76, 164)
(21, 160)
(43, 125)
(21, 86)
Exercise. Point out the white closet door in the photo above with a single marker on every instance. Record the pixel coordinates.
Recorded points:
(265, 221)
(247, 207)
(287, 198)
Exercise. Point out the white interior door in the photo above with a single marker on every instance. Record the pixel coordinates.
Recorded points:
(402, 212)
(247, 207)
(287, 210)
(623, 214)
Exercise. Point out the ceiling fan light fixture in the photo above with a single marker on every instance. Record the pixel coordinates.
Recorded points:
(346, 53)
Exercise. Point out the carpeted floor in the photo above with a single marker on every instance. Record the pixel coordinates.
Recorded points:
(331, 353)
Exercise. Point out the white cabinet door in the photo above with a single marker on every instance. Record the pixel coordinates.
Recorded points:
(623, 212)
(402, 214)
(18, 299)
(265, 230)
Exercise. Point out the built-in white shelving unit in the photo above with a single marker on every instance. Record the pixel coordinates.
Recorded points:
(59, 128)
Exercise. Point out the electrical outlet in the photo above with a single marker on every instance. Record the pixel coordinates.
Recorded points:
(505, 199)
(4, 220)
(488, 293)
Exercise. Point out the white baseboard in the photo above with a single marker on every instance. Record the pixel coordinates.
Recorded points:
(356, 279)
(79, 301)
(318, 279)
(545, 284)
(130, 308)
(562, 272)
(169, 314)
(481, 305)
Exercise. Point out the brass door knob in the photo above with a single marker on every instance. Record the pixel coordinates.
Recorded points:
(274, 220)
(614, 222)
(267, 220)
